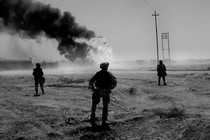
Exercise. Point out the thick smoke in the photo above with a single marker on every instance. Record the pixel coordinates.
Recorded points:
(30, 19)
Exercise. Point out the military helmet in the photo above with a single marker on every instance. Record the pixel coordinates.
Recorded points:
(104, 65)
(38, 65)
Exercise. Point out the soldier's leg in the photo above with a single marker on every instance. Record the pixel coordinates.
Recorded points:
(36, 87)
(42, 88)
(159, 80)
(164, 80)
(106, 100)
(95, 99)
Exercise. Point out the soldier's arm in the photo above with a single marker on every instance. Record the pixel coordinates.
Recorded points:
(113, 80)
(42, 72)
(157, 68)
(33, 72)
(112, 76)
(91, 82)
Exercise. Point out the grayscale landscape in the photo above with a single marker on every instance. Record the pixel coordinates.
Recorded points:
(71, 40)
(139, 108)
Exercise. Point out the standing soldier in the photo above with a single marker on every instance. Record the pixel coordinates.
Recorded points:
(101, 84)
(161, 72)
(39, 79)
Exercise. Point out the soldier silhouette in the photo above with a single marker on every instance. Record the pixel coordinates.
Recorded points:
(161, 72)
(101, 84)
(38, 78)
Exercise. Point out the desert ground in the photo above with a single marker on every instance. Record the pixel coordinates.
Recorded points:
(139, 108)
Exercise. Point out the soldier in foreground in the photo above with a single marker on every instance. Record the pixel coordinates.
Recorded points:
(161, 72)
(38, 78)
(101, 84)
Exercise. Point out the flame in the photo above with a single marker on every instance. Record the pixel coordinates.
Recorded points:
(101, 50)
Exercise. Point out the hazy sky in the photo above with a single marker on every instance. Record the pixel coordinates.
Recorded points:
(130, 28)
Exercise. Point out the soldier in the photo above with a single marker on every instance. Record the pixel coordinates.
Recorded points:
(101, 84)
(39, 79)
(161, 72)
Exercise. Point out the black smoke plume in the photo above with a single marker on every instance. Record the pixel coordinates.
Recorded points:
(30, 19)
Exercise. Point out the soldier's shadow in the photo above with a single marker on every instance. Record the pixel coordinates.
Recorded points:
(98, 133)
(89, 133)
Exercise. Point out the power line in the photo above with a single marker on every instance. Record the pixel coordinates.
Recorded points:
(146, 9)
(149, 5)
(156, 29)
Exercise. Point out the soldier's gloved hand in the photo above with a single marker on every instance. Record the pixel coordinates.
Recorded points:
(92, 88)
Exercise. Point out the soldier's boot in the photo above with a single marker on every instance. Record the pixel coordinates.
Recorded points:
(94, 126)
(105, 126)
(92, 120)
(93, 123)
(42, 91)
(36, 94)
(36, 90)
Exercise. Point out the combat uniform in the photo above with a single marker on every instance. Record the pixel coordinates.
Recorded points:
(101, 83)
(161, 72)
(38, 78)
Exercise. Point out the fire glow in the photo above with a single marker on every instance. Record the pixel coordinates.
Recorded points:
(101, 50)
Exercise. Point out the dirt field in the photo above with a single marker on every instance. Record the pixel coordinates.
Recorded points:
(139, 108)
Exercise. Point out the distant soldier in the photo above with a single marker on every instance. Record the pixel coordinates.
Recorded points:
(161, 72)
(101, 84)
(39, 79)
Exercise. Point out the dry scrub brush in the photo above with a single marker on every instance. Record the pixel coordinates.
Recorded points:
(172, 112)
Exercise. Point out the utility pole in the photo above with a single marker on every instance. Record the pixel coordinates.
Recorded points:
(155, 15)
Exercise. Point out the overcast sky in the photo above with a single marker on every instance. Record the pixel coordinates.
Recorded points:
(130, 27)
